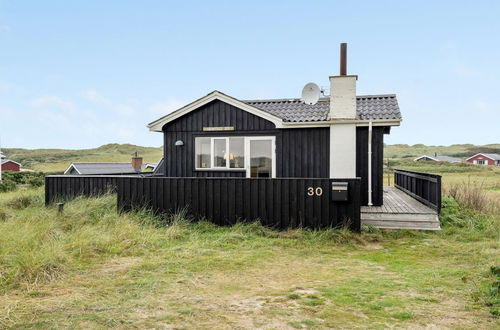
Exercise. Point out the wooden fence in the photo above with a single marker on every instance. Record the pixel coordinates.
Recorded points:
(278, 203)
(424, 187)
(65, 187)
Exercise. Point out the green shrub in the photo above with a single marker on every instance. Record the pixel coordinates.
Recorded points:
(36, 182)
(455, 215)
(492, 294)
(7, 185)
(35, 179)
(20, 202)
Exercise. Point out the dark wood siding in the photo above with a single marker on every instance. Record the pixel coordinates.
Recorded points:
(301, 152)
(377, 163)
(66, 187)
(278, 203)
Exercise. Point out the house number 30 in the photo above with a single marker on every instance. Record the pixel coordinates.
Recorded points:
(314, 191)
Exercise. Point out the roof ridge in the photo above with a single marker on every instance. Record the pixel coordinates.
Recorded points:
(321, 99)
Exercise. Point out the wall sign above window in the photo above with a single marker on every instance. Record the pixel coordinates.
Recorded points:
(222, 128)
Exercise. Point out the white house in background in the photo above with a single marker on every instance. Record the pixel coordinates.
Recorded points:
(437, 158)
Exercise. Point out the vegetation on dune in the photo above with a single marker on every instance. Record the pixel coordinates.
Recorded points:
(455, 150)
(57, 160)
(10, 180)
(92, 267)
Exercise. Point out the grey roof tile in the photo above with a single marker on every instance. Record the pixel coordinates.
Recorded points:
(369, 107)
(493, 156)
(447, 159)
(104, 168)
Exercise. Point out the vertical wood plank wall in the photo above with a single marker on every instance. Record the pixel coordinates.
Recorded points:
(65, 187)
(300, 152)
(377, 163)
(278, 203)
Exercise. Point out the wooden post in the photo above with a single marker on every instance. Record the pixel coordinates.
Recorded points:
(60, 208)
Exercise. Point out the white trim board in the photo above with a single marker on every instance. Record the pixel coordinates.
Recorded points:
(69, 168)
(5, 161)
(425, 156)
(157, 125)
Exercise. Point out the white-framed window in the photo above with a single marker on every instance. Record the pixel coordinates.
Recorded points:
(254, 154)
(481, 162)
(220, 153)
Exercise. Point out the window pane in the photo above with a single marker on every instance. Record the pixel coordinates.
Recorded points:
(261, 158)
(202, 152)
(220, 153)
(236, 152)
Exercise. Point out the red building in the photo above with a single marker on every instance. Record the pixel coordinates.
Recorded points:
(484, 159)
(10, 165)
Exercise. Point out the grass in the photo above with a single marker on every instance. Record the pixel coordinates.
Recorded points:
(93, 268)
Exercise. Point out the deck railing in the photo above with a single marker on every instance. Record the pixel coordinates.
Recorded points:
(424, 187)
(278, 203)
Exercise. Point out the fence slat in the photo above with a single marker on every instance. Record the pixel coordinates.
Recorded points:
(278, 203)
(424, 187)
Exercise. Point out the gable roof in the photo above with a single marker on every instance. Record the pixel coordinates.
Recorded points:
(440, 158)
(215, 95)
(9, 161)
(293, 111)
(490, 156)
(101, 168)
(368, 107)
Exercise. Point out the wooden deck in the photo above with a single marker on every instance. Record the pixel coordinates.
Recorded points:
(400, 211)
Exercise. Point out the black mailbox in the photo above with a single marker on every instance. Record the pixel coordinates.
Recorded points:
(340, 191)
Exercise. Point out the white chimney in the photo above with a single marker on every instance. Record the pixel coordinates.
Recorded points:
(342, 134)
(343, 90)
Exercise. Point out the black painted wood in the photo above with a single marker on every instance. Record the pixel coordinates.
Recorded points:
(424, 187)
(278, 203)
(377, 163)
(300, 152)
(66, 187)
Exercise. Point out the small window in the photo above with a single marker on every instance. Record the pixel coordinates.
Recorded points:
(481, 162)
(203, 154)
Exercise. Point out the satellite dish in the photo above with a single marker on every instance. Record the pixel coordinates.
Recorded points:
(310, 93)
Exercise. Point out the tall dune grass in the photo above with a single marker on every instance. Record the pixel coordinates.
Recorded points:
(37, 244)
(473, 195)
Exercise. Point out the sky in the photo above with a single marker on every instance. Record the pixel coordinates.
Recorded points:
(79, 74)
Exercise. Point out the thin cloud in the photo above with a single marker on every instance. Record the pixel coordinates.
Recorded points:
(53, 102)
(4, 28)
(95, 97)
(165, 107)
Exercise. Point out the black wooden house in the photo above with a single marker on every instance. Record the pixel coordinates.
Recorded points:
(221, 136)
(280, 161)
